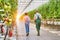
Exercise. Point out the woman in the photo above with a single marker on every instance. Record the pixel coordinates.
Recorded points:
(27, 22)
(37, 19)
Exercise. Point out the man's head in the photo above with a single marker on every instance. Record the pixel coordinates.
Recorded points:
(36, 11)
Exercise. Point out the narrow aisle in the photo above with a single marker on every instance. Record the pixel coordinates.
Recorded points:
(20, 28)
(45, 35)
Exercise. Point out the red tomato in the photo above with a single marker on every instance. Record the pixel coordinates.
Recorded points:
(10, 33)
(2, 30)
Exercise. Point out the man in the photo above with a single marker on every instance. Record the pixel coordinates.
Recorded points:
(37, 19)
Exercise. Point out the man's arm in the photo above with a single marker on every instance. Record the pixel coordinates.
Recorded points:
(34, 17)
(40, 16)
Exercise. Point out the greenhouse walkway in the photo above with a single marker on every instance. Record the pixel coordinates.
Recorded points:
(45, 34)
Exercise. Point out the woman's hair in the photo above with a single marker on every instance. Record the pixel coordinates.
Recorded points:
(26, 13)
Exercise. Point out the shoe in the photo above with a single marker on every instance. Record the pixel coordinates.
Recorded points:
(27, 34)
(38, 35)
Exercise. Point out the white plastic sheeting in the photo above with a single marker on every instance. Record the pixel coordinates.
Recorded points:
(35, 4)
